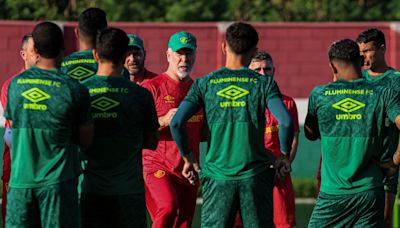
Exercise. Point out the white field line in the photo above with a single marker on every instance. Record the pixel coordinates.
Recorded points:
(308, 201)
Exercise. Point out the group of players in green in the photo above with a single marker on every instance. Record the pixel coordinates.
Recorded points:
(108, 120)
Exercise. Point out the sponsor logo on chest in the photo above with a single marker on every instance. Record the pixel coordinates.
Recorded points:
(169, 99)
(348, 105)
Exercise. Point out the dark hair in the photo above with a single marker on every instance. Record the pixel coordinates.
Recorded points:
(112, 45)
(262, 55)
(48, 39)
(372, 34)
(346, 51)
(241, 37)
(25, 38)
(91, 21)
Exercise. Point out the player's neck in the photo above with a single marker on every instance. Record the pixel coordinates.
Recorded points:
(350, 74)
(48, 64)
(85, 45)
(109, 69)
(236, 62)
(378, 70)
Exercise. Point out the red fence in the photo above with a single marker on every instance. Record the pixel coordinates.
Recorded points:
(299, 49)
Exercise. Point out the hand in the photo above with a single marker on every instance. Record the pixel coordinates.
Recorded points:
(396, 157)
(165, 120)
(190, 168)
(388, 168)
(282, 167)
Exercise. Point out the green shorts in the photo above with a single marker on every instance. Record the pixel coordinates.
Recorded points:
(223, 198)
(48, 207)
(363, 209)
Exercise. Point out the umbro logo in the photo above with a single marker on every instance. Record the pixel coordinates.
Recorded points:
(348, 105)
(35, 95)
(80, 73)
(232, 92)
(104, 103)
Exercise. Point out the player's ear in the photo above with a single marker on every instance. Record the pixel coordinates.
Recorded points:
(333, 67)
(96, 55)
(76, 31)
(168, 54)
(23, 55)
(223, 48)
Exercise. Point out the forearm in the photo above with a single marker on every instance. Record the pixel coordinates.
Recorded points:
(178, 125)
(293, 150)
(286, 129)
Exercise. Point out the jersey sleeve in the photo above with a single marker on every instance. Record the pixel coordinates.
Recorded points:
(195, 94)
(272, 90)
(83, 111)
(7, 106)
(291, 106)
(312, 106)
(392, 102)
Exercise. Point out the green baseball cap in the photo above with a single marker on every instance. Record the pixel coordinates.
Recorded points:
(135, 41)
(181, 40)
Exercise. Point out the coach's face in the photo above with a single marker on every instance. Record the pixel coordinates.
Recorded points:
(373, 56)
(134, 60)
(181, 62)
(264, 67)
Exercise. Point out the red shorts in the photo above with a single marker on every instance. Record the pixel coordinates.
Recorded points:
(169, 202)
(284, 205)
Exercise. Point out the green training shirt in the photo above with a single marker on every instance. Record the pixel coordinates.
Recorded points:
(80, 65)
(234, 102)
(46, 107)
(351, 115)
(122, 113)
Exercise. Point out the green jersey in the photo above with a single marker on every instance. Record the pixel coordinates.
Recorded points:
(123, 112)
(390, 79)
(46, 107)
(80, 65)
(234, 102)
(351, 116)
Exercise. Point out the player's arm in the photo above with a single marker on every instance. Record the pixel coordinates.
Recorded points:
(8, 133)
(280, 112)
(83, 118)
(179, 133)
(286, 132)
(292, 108)
(85, 135)
(165, 120)
(311, 129)
(295, 144)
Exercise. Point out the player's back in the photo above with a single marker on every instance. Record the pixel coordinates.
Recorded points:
(234, 102)
(120, 112)
(350, 118)
(80, 65)
(45, 107)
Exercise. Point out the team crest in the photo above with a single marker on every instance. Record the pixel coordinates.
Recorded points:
(159, 174)
(183, 40)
